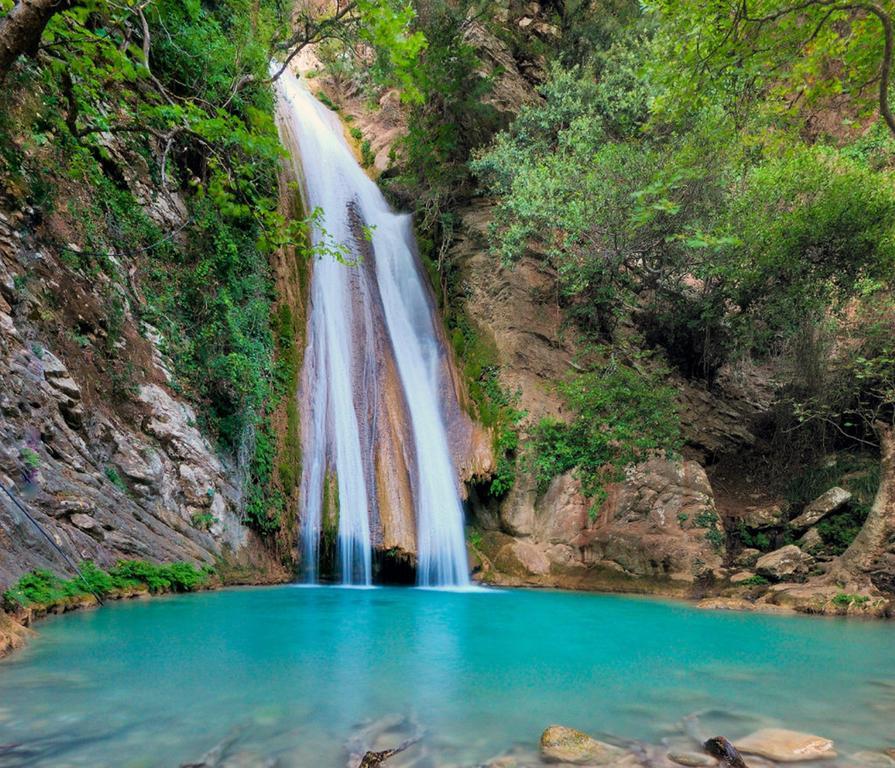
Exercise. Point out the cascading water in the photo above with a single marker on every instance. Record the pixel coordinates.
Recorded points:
(366, 317)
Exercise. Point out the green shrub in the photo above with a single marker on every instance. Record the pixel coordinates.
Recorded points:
(368, 156)
(754, 581)
(845, 600)
(44, 588)
(202, 520)
(622, 417)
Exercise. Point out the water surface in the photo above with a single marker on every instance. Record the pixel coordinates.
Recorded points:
(292, 671)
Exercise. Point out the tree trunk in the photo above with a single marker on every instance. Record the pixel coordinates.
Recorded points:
(879, 528)
(22, 27)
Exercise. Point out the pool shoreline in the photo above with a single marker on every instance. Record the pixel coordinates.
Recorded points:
(16, 627)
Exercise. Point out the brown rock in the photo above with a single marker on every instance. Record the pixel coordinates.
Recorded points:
(764, 516)
(785, 746)
(788, 563)
(660, 523)
(560, 744)
(83, 522)
(747, 557)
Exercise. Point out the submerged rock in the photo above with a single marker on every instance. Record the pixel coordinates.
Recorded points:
(560, 744)
(788, 563)
(692, 759)
(785, 746)
(875, 759)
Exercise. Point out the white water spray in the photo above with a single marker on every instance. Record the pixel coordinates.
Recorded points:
(338, 377)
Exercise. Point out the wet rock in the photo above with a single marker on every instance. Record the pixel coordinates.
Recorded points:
(560, 744)
(726, 752)
(788, 563)
(692, 759)
(823, 505)
(785, 746)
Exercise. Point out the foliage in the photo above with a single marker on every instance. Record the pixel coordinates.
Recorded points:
(753, 540)
(114, 477)
(846, 600)
(715, 248)
(754, 581)
(196, 118)
(858, 474)
(474, 537)
(622, 416)
(492, 406)
(44, 588)
(767, 60)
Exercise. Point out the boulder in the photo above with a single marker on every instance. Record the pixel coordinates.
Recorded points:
(784, 746)
(788, 563)
(739, 578)
(660, 523)
(560, 744)
(764, 516)
(83, 522)
(823, 505)
(747, 557)
(811, 542)
(522, 558)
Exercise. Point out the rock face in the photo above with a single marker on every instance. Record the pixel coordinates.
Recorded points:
(104, 474)
(660, 522)
(823, 505)
(785, 746)
(560, 744)
(657, 527)
(788, 563)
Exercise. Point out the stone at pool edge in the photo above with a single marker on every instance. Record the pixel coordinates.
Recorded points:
(784, 746)
(560, 744)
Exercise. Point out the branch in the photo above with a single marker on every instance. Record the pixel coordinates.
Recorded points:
(22, 28)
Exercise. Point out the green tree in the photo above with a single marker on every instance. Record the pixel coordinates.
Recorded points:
(784, 56)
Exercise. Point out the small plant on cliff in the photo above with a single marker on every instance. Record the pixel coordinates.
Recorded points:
(622, 416)
(30, 458)
(713, 535)
(114, 477)
(202, 520)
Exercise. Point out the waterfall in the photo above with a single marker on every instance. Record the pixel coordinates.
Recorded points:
(370, 313)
